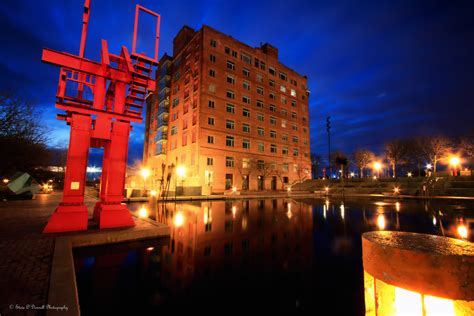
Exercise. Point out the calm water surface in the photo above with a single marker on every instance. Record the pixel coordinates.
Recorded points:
(248, 255)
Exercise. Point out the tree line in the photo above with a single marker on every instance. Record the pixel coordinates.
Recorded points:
(400, 154)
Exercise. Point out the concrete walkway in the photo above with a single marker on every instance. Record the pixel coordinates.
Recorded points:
(29, 259)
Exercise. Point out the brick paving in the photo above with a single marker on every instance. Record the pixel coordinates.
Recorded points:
(25, 253)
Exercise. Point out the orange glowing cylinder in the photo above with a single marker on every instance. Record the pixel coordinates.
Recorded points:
(417, 274)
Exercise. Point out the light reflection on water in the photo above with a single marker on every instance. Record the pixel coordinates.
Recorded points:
(276, 254)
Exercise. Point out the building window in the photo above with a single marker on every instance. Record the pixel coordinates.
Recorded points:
(230, 108)
(212, 87)
(227, 50)
(260, 164)
(212, 72)
(210, 120)
(246, 72)
(260, 131)
(210, 139)
(282, 88)
(230, 79)
(175, 102)
(272, 71)
(230, 65)
(213, 43)
(211, 104)
(246, 99)
(272, 108)
(246, 58)
(246, 112)
(212, 58)
(283, 100)
(285, 166)
(260, 90)
(260, 78)
(273, 148)
(293, 93)
(174, 130)
(271, 83)
(229, 124)
(273, 120)
(295, 152)
(283, 123)
(230, 94)
(246, 128)
(295, 167)
(293, 115)
(295, 139)
(261, 147)
(229, 162)
(245, 163)
(246, 144)
(260, 104)
(284, 112)
(229, 141)
(272, 95)
(260, 117)
(284, 151)
(284, 137)
(283, 76)
(273, 134)
(246, 85)
(294, 127)
(293, 103)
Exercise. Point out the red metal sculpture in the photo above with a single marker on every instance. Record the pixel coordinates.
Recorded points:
(100, 100)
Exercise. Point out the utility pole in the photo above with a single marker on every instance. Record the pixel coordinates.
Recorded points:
(328, 127)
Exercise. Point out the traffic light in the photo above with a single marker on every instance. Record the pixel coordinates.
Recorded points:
(328, 124)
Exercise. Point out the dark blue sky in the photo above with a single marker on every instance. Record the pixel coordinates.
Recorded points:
(381, 69)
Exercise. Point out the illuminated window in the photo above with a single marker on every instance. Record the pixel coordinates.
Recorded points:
(293, 93)
(245, 163)
(229, 141)
(212, 87)
(282, 88)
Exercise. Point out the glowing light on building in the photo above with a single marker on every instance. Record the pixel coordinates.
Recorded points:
(150, 248)
(153, 193)
(143, 212)
(381, 222)
(396, 190)
(181, 171)
(178, 219)
(93, 169)
(6, 180)
(462, 231)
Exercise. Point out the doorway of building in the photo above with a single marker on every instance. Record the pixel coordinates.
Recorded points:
(273, 183)
(260, 183)
(229, 180)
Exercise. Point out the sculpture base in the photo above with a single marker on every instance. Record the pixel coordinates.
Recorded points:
(67, 218)
(112, 215)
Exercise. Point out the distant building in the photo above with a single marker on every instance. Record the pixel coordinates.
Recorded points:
(226, 115)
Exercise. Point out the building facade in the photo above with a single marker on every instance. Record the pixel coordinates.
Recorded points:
(226, 115)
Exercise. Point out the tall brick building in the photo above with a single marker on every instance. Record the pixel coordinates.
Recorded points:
(226, 115)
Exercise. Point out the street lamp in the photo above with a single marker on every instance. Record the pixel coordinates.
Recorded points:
(377, 167)
(181, 172)
(145, 172)
(454, 162)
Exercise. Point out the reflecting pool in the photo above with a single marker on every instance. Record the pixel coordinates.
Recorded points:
(249, 255)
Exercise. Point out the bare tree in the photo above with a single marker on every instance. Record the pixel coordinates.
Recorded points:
(362, 158)
(396, 151)
(434, 148)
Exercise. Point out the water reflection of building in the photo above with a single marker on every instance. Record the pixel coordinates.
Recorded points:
(211, 237)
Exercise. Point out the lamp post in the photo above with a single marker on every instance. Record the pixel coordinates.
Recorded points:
(181, 172)
(377, 167)
(454, 162)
